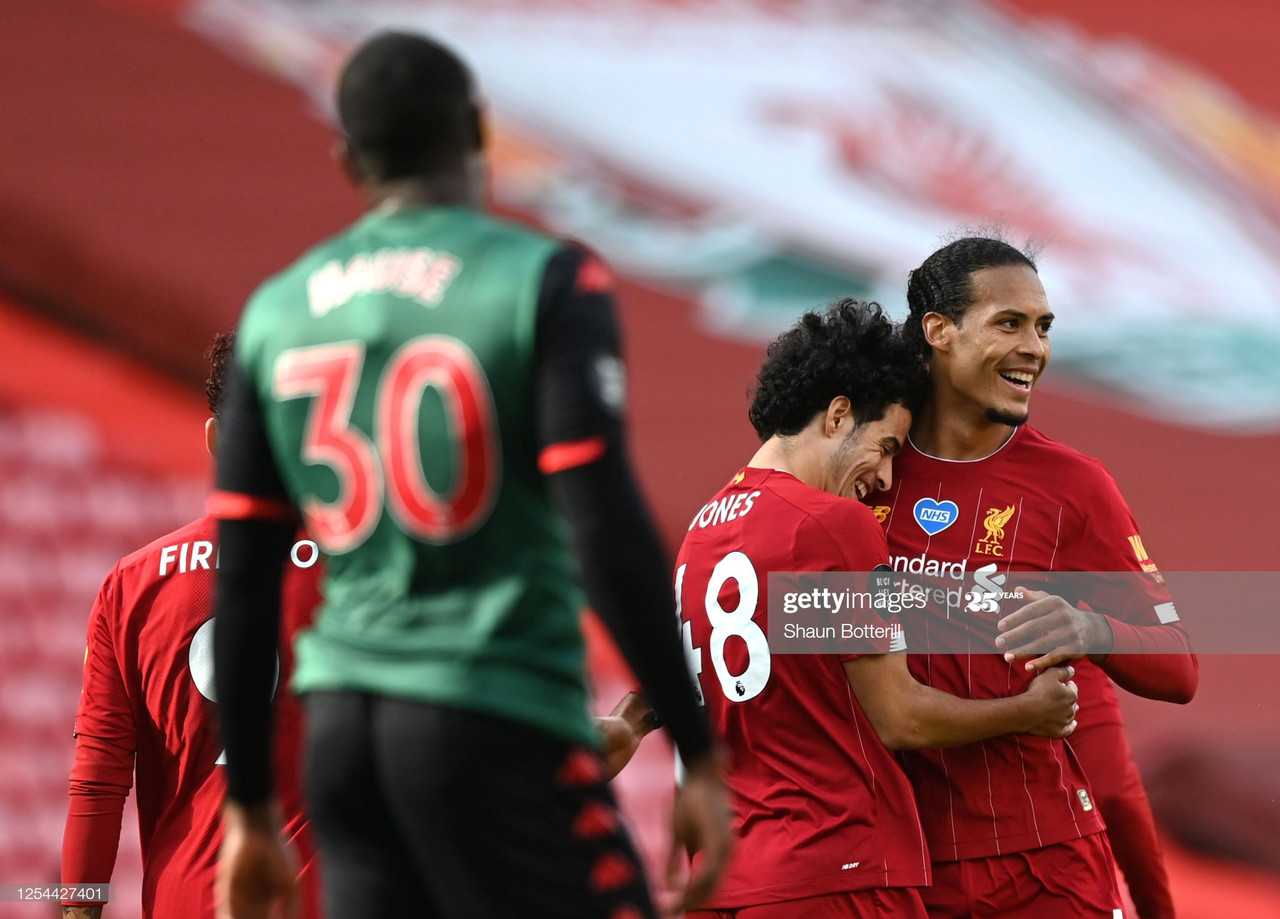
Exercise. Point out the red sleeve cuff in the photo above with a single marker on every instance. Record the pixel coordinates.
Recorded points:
(229, 505)
(1155, 662)
(569, 455)
(100, 781)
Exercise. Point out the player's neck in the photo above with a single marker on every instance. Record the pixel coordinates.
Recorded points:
(785, 455)
(459, 187)
(957, 433)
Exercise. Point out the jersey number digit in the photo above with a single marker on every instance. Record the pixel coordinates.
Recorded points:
(748, 684)
(200, 662)
(692, 655)
(330, 374)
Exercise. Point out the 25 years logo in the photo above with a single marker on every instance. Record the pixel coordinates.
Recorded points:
(988, 591)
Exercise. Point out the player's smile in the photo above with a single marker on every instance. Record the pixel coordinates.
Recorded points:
(863, 462)
(1020, 380)
(1000, 346)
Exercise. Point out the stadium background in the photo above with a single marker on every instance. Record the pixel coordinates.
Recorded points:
(160, 157)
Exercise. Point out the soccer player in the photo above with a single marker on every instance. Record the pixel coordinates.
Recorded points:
(1012, 822)
(148, 706)
(428, 388)
(826, 822)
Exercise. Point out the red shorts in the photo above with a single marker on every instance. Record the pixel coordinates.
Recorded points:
(1070, 880)
(880, 903)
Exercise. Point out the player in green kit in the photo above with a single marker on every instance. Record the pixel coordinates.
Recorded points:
(438, 394)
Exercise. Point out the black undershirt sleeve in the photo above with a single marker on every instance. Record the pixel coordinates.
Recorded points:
(626, 573)
(251, 558)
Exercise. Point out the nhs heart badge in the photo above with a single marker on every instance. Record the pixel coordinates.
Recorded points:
(935, 516)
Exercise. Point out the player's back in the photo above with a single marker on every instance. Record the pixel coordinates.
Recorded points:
(820, 804)
(395, 368)
(150, 657)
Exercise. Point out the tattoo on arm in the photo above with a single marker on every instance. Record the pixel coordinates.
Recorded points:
(82, 912)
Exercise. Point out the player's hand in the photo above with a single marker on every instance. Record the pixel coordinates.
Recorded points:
(1054, 698)
(1052, 631)
(618, 743)
(701, 825)
(256, 876)
(622, 731)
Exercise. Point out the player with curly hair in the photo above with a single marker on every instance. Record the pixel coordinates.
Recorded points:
(826, 820)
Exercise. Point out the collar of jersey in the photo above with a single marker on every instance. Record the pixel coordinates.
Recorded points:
(939, 459)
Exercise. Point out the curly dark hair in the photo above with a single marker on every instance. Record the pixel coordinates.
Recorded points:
(850, 350)
(944, 282)
(217, 356)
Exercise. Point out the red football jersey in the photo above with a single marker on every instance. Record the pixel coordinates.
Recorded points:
(820, 805)
(1033, 506)
(148, 687)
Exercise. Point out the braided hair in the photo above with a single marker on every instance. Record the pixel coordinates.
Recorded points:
(944, 282)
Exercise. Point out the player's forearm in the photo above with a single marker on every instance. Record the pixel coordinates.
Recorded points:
(101, 777)
(1155, 662)
(247, 612)
(91, 838)
(930, 718)
(81, 912)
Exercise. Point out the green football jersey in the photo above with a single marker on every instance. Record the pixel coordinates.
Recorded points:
(394, 365)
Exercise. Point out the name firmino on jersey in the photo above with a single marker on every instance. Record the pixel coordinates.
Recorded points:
(418, 274)
(176, 558)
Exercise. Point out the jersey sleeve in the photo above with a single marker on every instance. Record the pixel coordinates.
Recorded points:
(249, 485)
(1151, 655)
(581, 381)
(578, 415)
(106, 738)
(255, 529)
(104, 710)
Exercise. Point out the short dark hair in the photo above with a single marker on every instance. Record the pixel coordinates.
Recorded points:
(406, 105)
(218, 355)
(943, 283)
(851, 349)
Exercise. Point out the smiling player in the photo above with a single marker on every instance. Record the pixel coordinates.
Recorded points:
(1012, 823)
(826, 821)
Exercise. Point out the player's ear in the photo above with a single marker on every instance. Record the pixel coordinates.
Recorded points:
(347, 160)
(938, 331)
(839, 417)
(211, 437)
